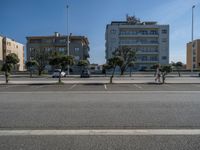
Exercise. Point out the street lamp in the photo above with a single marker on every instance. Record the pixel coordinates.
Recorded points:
(68, 67)
(192, 38)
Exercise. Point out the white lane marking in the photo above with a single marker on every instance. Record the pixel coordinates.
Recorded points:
(104, 92)
(73, 86)
(10, 86)
(100, 132)
(196, 85)
(38, 87)
(168, 86)
(105, 86)
(137, 86)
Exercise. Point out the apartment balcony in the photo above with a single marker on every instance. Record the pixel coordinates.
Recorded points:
(139, 61)
(147, 53)
(138, 43)
(139, 35)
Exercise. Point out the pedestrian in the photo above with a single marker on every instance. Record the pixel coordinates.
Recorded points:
(157, 79)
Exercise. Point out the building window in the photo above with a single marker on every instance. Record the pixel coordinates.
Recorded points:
(164, 40)
(61, 49)
(153, 32)
(113, 31)
(164, 31)
(9, 43)
(194, 59)
(77, 58)
(164, 57)
(194, 52)
(47, 41)
(8, 51)
(36, 41)
(62, 41)
(76, 49)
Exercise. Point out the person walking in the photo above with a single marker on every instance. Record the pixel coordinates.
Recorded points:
(157, 79)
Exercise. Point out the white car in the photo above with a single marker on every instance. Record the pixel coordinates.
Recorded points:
(58, 72)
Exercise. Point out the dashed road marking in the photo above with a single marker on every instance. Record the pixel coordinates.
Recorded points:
(169, 86)
(10, 86)
(137, 86)
(105, 86)
(196, 85)
(73, 86)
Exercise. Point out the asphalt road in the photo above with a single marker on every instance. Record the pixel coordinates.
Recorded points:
(97, 107)
(100, 143)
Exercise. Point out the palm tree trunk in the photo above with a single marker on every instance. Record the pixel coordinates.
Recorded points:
(6, 76)
(163, 78)
(40, 72)
(111, 78)
(122, 71)
(31, 73)
(59, 79)
(179, 74)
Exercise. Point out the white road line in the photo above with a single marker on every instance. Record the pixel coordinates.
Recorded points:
(137, 86)
(38, 87)
(11, 86)
(100, 132)
(168, 86)
(196, 85)
(72, 86)
(105, 86)
(104, 92)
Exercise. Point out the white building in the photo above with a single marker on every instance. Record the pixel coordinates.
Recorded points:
(148, 39)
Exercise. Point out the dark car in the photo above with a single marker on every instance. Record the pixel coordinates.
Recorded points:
(85, 74)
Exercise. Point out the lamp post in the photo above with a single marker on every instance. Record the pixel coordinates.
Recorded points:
(68, 67)
(192, 38)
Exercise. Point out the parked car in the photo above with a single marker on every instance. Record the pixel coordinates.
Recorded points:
(58, 72)
(85, 73)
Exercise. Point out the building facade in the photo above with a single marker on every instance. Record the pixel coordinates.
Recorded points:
(47, 45)
(8, 46)
(1, 49)
(196, 55)
(148, 39)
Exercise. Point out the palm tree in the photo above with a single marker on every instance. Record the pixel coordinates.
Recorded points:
(11, 60)
(113, 63)
(164, 71)
(178, 65)
(30, 64)
(61, 62)
(127, 55)
(83, 64)
(104, 68)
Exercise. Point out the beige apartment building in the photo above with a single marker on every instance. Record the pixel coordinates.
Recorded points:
(8, 46)
(1, 49)
(41, 48)
(196, 55)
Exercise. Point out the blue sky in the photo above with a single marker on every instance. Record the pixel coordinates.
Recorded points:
(21, 18)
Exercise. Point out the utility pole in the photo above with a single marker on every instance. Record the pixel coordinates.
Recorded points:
(192, 68)
(68, 67)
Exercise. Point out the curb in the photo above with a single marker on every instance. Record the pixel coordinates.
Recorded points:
(94, 83)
